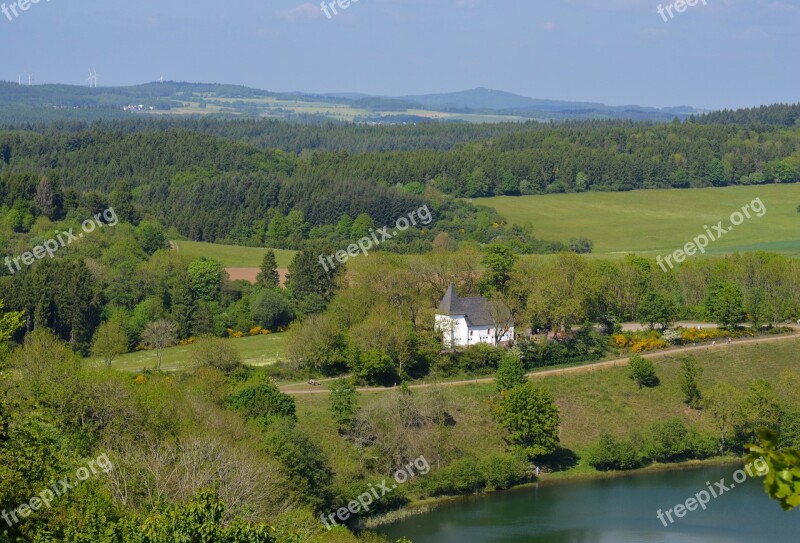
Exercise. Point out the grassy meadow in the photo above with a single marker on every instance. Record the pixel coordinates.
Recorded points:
(590, 403)
(233, 256)
(652, 222)
(254, 350)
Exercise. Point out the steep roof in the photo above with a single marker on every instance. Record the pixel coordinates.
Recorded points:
(475, 309)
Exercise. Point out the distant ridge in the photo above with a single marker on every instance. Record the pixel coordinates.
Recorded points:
(27, 103)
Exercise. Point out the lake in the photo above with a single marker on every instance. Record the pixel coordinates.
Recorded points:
(618, 510)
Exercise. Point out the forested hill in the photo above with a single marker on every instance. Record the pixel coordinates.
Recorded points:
(195, 175)
(296, 138)
(217, 190)
(776, 115)
(594, 156)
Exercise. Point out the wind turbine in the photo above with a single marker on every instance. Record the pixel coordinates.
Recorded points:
(30, 79)
(19, 80)
(162, 79)
(91, 79)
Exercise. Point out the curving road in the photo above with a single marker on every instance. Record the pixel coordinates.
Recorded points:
(304, 388)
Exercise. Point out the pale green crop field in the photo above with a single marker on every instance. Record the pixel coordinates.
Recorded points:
(661, 221)
(254, 350)
(233, 256)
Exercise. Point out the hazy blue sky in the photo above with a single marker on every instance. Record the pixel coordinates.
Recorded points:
(724, 54)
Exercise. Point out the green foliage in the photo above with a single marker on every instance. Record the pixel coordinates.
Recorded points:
(673, 441)
(725, 304)
(306, 464)
(510, 372)
(657, 309)
(642, 372)
(344, 404)
(760, 408)
(110, 340)
(268, 276)
(312, 287)
(376, 368)
(690, 373)
(470, 475)
(10, 322)
(270, 309)
(202, 519)
(151, 237)
(319, 345)
(610, 453)
(206, 278)
(361, 226)
(531, 419)
(584, 346)
(781, 469)
(263, 402)
(499, 260)
(216, 353)
(480, 358)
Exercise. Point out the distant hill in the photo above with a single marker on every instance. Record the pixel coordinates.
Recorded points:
(482, 98)
(44, 103)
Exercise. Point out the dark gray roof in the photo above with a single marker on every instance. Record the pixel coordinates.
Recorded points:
(475, 310)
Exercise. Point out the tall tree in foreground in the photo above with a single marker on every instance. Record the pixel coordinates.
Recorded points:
(530, 416)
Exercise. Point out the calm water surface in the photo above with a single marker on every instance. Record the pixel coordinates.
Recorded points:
(621, 510)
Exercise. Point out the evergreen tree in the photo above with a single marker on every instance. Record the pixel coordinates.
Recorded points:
(268, 277)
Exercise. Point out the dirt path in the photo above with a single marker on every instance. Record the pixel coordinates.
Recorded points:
(304, 388)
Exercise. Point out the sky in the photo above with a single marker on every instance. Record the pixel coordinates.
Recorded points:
(721, 54)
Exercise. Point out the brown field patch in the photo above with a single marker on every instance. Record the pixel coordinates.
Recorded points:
(250, 274)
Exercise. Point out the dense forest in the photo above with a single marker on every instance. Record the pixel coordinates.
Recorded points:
(218, 448)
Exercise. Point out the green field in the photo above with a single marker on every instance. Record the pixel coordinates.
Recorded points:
(233, 256)
(254, 350)
(590, 403)
(660, 221)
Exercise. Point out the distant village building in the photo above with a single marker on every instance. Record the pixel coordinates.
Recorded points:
(468, 321)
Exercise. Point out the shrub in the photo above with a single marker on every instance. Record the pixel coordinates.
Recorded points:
(480, 358)
(463, 476)
(263, 402)
(610, 453)
(642, 372)
(672, 441)
(502, 472)
(585, 345)
(217, 353)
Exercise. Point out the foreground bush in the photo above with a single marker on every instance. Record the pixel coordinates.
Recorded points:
(471, 475)
(611, 453)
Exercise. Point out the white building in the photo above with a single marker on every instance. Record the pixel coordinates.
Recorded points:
(467, 321)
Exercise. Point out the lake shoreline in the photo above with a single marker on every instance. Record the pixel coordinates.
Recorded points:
(420, 507)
